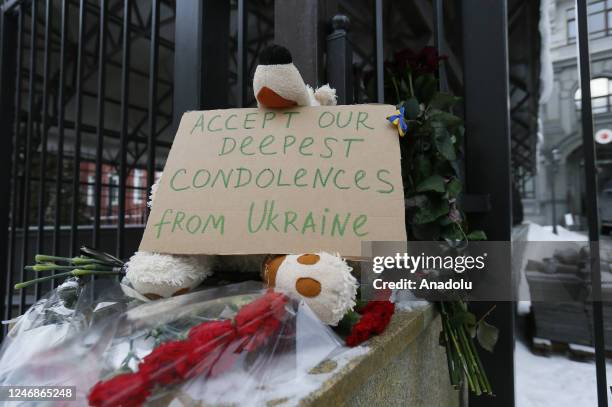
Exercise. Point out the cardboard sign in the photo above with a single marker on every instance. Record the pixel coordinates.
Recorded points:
(251, 181)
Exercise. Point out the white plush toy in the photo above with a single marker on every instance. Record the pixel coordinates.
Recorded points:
(323, 280)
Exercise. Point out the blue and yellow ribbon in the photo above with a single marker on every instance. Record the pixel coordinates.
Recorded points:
(398, 119)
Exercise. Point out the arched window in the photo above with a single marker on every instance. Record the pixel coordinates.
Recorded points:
(601, 95)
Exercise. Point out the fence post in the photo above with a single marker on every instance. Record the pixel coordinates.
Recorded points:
(299, 25)
(340, 60)
(201, 56)
(8, 52)
(487, 166)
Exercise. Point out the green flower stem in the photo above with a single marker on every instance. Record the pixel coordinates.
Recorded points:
(488, 387)
(80, 260)
(472, 363)
(43, 258)
(410, 84)
(394, 82)
(73, 273)
(451, 360)
(55, 267)
(86, 260)
(455, 342)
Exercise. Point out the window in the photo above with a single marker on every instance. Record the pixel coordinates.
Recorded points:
(601, 95)
(599, 20)
(138, 185)
(91, 190)
(113, 187)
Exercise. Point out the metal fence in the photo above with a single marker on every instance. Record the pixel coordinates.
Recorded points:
(91, 92)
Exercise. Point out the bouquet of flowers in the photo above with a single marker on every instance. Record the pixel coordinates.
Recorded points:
(241, 344)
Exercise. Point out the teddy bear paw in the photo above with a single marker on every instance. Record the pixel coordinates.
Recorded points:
(157, 275)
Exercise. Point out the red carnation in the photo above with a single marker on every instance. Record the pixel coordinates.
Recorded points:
(209, 333)
(360, 333)
(376, 315)
(125, 390)
(210, 348)
(261, 319)
(209, 340)
(168, 363)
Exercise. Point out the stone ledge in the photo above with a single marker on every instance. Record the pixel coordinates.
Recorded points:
(409, 335)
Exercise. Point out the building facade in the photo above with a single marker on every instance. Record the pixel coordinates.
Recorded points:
(560, 177)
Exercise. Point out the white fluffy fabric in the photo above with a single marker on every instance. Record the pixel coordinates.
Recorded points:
(326, 96)
(285, 80)
(338, 286)
(152, 194)
(164, 275)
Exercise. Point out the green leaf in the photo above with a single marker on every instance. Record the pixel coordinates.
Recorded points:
(425, 87)
(453, 188)
(422, 166)
(417, 201)
(444, 144)
(447, 119)
(433, 183)
(461, 317)
(346, 323)
(413, 109)
(443, 101)
(455, 166)
(430, 211)
(487, 335)
(477, 235)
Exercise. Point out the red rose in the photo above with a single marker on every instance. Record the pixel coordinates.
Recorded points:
(168, 363)
(125, 390)
(427, 60)
(376, 315)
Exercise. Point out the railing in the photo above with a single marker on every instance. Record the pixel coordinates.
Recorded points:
(77, 126)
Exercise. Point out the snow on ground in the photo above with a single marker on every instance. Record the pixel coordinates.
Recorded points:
(555, 381)
(538, 233)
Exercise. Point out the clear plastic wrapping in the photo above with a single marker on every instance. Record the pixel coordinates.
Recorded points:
(235, 345)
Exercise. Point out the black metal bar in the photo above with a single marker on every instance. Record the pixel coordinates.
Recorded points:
(590, 172)
(42, 186)
(296, 23)
(28, 152)
(153, 59)
(76, 170)
(440, 41)
(340, 60)
(241, 65)
(379, 46)
(61, 110)
(487, 167)
(100, 130)
(15, 166)
(9, 50)
(15, 213)
(201, 56)
(125, 86)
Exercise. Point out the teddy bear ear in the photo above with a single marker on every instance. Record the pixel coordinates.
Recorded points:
(275, 55)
